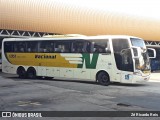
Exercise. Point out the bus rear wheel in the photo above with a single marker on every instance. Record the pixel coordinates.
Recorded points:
(21, 72)
(31, 73)
(48, 78)
(103, 78)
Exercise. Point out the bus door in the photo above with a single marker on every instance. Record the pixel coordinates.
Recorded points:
(123, 59)
(126, 65)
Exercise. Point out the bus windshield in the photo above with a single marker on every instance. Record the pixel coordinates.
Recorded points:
(142, 63)
(138, 43)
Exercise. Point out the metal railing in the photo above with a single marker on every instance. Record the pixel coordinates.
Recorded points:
(157, 43)
(18, 33)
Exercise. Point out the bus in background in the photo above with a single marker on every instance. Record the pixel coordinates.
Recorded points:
(104, 59)
(155, 63)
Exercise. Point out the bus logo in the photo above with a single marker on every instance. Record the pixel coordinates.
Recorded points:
(6, 114)
(89, 63)
(89, 60)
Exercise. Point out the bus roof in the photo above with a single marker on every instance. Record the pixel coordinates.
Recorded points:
(71, 37)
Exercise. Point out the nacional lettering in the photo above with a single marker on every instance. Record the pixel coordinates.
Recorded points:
(45, 56)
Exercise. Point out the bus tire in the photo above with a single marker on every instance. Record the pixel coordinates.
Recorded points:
(103, 78)
(31, 73)
(48, 78)
(21, 72)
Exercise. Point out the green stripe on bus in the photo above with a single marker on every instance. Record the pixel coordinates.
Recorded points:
(89, 64)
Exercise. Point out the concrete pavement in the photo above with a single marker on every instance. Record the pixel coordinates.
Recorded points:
(155, 76)
(69, 95)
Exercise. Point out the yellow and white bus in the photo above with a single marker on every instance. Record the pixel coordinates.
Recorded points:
(104, 59)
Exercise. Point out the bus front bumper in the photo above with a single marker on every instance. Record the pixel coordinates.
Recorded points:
(140, 79)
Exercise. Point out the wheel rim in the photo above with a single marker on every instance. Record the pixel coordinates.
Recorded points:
(104, 78)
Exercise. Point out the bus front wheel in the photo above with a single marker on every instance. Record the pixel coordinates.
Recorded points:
(31, 73)
(103, 78)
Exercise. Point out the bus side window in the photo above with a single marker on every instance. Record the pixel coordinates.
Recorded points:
(99, 46)
(32, 46)
(19, 46)
(62, 47)
(8, 47)
(87, 47)
(46, 46)
(28, 49)
(16, 47)
(22, 46)
(78, 47)
(51, 48)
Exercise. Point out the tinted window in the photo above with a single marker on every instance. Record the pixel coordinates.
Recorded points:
(81, 46)
(99, 46)
(19, 46)
(120, 44)
(46, 46)
(123, 56)
(8, 46)
(62, 47)
(32, 46)
(137, 42)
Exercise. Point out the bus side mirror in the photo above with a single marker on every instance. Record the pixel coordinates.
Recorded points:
(136, 52)
(151, 53)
